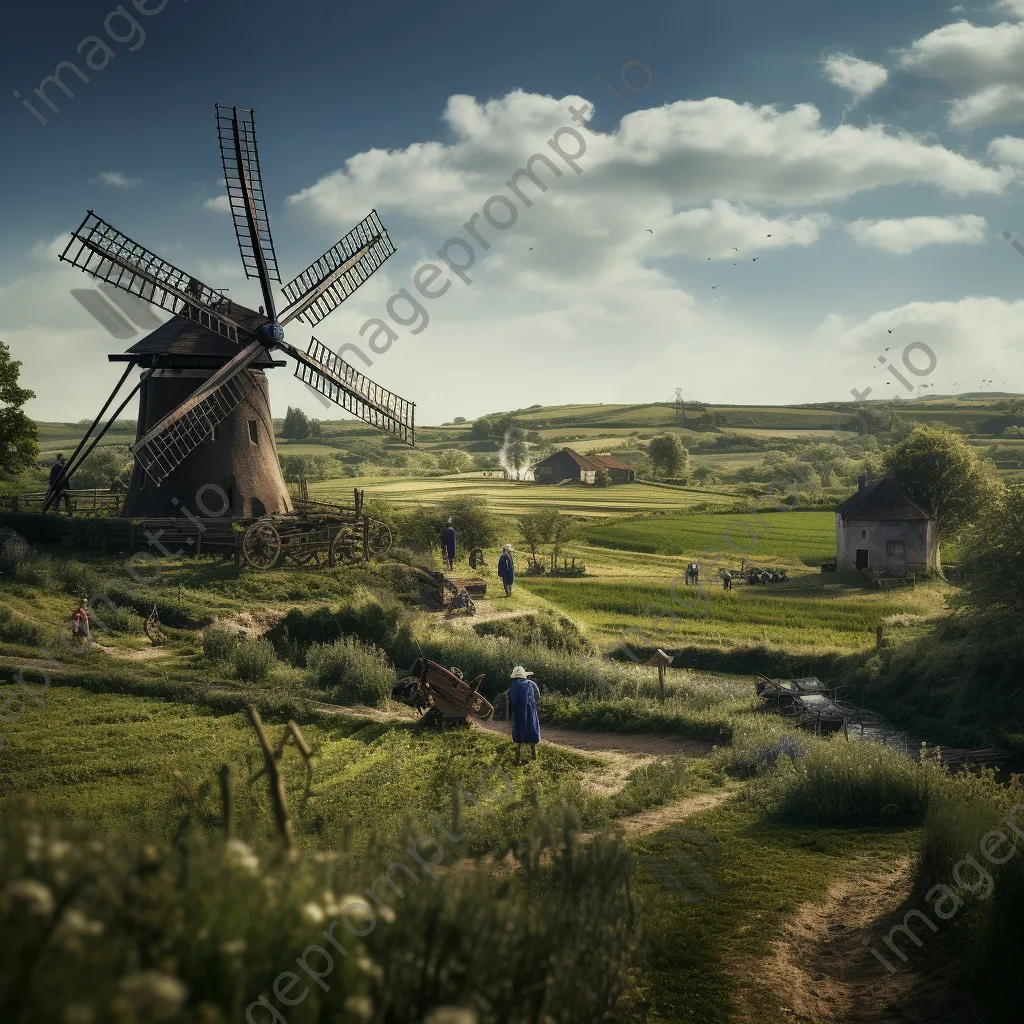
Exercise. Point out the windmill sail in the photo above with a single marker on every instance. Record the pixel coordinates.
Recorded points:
(327, 283)
(168, 443)
(341, 383)
(241, 161)
(112, 256)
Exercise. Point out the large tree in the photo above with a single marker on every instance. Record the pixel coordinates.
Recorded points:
(296, 424)
(668, 456)
(940, 471)
(992, 553)
(18, 447)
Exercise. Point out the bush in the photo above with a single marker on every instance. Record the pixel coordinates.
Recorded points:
(219, 643)
(254, 660)
(371, 620)
(745, 761)
(846, 784)
(118, 620)
(15, 555)
(18, 629)
(351, 671)
(545, 629)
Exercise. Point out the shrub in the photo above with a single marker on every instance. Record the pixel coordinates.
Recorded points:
(18, 629)
(351, 671)
(371, 620)
(545, 629)
(254, 660)
(118, 620)
(846, 784)
(219, 643)
(15, 554)
(746, 761)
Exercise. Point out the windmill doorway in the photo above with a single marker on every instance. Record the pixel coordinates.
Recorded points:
(862, 559)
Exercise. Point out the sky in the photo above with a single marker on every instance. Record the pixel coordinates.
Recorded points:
(748, 202)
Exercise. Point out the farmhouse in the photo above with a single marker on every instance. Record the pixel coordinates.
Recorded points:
(569, 465)
(881, 526)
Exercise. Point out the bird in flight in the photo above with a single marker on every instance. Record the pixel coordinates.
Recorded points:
(892, 330)
(649, 231)
(714, 286)
(755, 259)
(734, 249)
(531, 248)
(769, 236)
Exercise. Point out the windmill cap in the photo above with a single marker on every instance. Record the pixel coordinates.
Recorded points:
(520, 673)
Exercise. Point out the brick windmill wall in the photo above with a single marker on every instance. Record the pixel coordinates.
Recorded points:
(238, 464)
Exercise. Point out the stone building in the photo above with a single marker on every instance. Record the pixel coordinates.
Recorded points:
(881, 526)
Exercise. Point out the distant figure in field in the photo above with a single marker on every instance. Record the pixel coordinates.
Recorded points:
(57, 481)
(727, 581)
(523, 696)
(448, 544)
(507, 569)
(692, 573)
(80, 621)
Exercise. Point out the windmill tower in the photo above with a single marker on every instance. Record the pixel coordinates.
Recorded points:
(205, 437)
(680, 408)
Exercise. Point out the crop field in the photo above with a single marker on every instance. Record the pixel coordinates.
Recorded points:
(799, 617)
(512, 497)
(807, 537)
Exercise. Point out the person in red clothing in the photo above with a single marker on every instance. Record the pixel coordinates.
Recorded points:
(80, 621)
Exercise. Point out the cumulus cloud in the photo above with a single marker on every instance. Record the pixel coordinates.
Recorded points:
(117, 179)
(906, 234)
(860, 77)
(1007, 149)
(220, 204)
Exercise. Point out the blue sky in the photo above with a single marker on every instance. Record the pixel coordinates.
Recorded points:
(828, 126)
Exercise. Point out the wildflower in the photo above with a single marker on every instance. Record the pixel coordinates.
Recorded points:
(451, 1015)
(359, 1006)
(59, 849)
(75, 922)
(153, 993)
(313, 913)
(235, 947)
(238, 855)
(35, 896)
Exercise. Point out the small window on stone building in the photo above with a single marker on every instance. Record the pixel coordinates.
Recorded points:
(253, 436)
(863, 533)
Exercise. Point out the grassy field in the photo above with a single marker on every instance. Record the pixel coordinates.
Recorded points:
(512, 497)
(807, 537)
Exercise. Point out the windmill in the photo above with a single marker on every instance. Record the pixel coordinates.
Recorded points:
(204, 410)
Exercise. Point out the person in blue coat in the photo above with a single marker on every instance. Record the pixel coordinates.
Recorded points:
(448, 544)
(507, 569)
(523, 695)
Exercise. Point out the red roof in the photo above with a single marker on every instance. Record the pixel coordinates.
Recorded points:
(609, 462)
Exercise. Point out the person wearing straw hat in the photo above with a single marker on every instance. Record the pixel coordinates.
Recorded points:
(507, 569)
(523, 696)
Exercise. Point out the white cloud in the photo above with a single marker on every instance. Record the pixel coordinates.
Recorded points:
(117, 179)
(221, 204)
(1007, 149)
(861, 77)
(905, 235)
(1015, 8)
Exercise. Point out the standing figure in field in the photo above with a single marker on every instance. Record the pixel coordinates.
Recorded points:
(80, 621)
(448, 544)
(523, 696)
(727, 581)
(57, 471)
(694, 572)
(507, 569)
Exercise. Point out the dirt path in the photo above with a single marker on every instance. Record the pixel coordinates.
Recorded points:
(617, 742)
(657, 818)
(820, 969)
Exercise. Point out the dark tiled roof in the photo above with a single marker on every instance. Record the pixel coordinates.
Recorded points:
(585, 464)
(609, 462)
(880, 499)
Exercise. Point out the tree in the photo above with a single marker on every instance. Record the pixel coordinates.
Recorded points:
(296, 425)
(316, 428)
(104, 467)
(940, 472)
(458, 420)
(563, 529)
(482, 429)
(516, 450)
(452, 460)
(992, 553)
(18, 446)
(668, 456)
(475, 525)
(602, 478)
(536, 529)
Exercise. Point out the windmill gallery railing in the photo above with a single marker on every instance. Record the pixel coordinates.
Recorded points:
(317, 534)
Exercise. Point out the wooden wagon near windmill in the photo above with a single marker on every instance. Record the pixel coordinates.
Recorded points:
(205, 435)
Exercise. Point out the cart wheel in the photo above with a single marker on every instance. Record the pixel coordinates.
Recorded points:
(343, 548)
(262, 546)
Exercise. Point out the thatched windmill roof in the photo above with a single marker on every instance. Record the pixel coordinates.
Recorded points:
(182, 341)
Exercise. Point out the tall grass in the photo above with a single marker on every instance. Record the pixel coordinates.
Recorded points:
(219, 643)
(351, 671)
(98, 930)
(846, 784)
(542, 629)
(254, 660)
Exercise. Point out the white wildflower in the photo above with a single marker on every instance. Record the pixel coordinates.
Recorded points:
(35, 896)
(75, 922)
(451, 1015)
(238, 855)
(313, 913)
(234, 947)
(157, 995)
(359, 1006)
